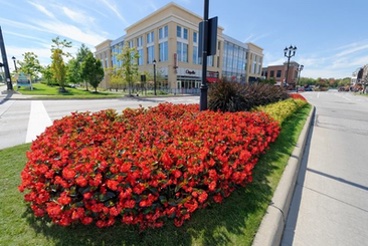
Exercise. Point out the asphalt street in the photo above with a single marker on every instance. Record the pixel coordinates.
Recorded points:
(330, 202)
(22, 119)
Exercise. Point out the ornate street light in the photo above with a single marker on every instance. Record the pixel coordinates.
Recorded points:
(289, 52)
(154, 76)
(300, 68)
(15, 65)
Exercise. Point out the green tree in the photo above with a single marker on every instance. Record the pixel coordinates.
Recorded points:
(47, 74)
(116, 80)
(73, 72)
(82, 53)
(92, 70)
(58, 66)
(129, 69)
(30, 64)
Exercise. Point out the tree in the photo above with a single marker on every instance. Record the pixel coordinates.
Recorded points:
(47, 74)
(30, 64)
(116, 80)
(83, 51)
(73, 72)
(129, 69)
(58, 66)
(92, 70)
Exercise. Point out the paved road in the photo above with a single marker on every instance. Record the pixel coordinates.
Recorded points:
(330, 203)
(22, 121)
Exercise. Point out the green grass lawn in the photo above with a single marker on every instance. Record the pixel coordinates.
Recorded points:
(234, 222)
(46, 91)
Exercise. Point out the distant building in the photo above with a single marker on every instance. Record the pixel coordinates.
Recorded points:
(170, 37)
(254, 63)
(279, 74)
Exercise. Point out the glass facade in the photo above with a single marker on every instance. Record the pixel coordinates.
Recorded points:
(234, 62)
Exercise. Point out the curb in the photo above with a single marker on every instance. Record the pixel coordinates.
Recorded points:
(273, 223)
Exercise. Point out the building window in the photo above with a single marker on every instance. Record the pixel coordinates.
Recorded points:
(163, 32)
(140, 58)
(185, 33)
(182, 51)
(278, 74)
(195, 55)
(140, 41)
(130, 44)
(178, 31)
(164, 51)
(182, 32)
(150, 54)
(150, 37)
(210, 61)
(195, 37)
(272, 74)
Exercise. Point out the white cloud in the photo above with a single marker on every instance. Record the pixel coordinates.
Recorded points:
(71, 32)
(42, 9)
(114, 8)
(78, 16)
(353, 49)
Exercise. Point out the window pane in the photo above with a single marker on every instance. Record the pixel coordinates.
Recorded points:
(166, 29)
(178, 31)
(185, 53)
(185, 33)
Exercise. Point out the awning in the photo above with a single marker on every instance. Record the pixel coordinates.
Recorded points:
(212, 80)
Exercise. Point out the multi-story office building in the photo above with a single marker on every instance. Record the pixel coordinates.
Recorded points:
(170, 37)
(255, 60)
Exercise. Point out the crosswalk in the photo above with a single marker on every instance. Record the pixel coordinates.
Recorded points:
(38, 121)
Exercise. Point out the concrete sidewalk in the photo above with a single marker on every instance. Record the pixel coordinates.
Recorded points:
(10, 95)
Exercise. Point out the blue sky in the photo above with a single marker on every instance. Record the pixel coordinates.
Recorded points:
(331, 35)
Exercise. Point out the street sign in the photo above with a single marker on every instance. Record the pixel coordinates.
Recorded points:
(211, 36)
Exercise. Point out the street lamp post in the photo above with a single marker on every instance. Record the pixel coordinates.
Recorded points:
(15, 64)
(204, 86)
(1, 72)
(289, 52)
(300, 68)
(154, 76)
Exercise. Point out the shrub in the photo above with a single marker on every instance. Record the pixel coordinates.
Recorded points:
(145, 166)
(282, 110)
(227, 96)
(297, 96)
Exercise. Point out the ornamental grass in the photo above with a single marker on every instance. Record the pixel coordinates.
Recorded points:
(142, 167)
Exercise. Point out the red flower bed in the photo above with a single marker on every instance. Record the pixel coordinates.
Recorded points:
(297, 96)
(142, 167)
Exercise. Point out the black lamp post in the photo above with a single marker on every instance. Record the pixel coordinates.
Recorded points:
(1, 72)
(300, 68)
(204, 86)
(289, 52)
(15, 64)
(154, 76)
